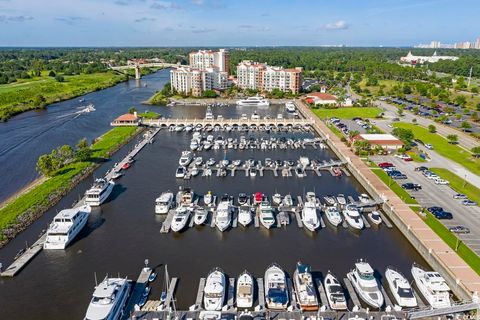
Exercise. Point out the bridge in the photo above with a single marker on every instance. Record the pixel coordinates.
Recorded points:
(138, 66)
(224, 122)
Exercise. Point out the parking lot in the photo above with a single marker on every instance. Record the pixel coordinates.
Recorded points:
(432, 194)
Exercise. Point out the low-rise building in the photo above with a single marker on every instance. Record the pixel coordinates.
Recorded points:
(323, 98)
(412, 59)
(385, 141)
(127, 119)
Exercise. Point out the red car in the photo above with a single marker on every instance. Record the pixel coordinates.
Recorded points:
(385, 165)
(407, 159)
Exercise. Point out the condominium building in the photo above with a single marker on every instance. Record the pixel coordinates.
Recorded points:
(188, 80)
(262, 77)
(204, 59)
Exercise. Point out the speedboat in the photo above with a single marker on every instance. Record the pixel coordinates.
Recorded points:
(245, 215)
(256, 101)
(245, 287)
(267, 218)
(99, 192)
(364, 198)
(290, 106)
(255, 116)
(179, 127)
(341, 200)
(400, 288)
(276, 292)
(180, 219)
(198, 161)
(330, 200)
(109, 298)
(365, 284)
(304, 161)
(242, 198)
(164, 203)
(432, 286)
(195, 171)
(284, 218)
(224, 215)
(200, 215)
(375, 217)
(287, 201)
(309, 216)
(304, 288)
(257, 198)
(352, 216)
(333, 215)
(210, 162)
(214, 291)
(311, 197)
(334, 291)
(209, 114)
(277, 199)
(299, 172)
(252, 172)
(186, 158)
(65, 227)
(208, 198)
(180, 173)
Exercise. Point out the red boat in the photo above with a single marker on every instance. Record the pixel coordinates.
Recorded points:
(126, 165)
(257, 198)
(337, 172)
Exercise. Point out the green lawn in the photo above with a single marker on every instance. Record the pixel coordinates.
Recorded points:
(18, 97)
(399, 191)
(458, 184)
(150, 115)
(442, 147)
(38, 196)
(348, 112)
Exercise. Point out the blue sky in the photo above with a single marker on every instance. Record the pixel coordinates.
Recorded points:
(236, 22)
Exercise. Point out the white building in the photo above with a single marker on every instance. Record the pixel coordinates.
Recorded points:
(410, 58)
(322, 98)
(204, 59)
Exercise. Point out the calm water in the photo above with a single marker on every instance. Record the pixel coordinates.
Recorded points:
(58, 285)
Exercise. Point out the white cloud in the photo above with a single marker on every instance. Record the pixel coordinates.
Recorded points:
(198, 2)
(337, 25)
(6, 19)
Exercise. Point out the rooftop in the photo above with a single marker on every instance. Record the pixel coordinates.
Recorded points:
(322, 96)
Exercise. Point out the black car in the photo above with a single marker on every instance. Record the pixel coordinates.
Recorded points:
(411, 186)
(421, 168)
(434, 209)
(443, 215)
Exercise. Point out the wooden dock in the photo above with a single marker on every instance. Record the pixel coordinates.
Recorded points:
(171, 291)
(352, 293)
(201, 286)
(25, 258)
(256, 221)
(292, 295)
(167, 222)
(385, 220)
(420, 302)
(231, 293)
(261, 294)
(214, 215)
(235, 219)
(299, 219)
(323, 295)
(365, 221)
(137, 291)
(386, 298)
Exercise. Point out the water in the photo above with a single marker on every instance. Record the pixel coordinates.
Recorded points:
(117, 239)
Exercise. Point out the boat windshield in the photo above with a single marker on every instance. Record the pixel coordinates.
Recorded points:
(366, 275)
(405, 292)
(212, 295)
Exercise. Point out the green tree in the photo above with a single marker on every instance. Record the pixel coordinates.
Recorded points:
(82, 143)
(39, 101)
(452, 138)
(209, 94)
(65, 153)
(52, 74)
(45, 165)
(400, 110)
(432, 128)
(83, 154)
(406, 135)
(466, 125)
(414, 120)
(59, 78)
(476, 151)
(167, 89)
(132, 110)
(362, 145)
(461, 100)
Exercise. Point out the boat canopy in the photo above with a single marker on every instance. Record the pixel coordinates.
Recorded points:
(303, 268)
(277, 295)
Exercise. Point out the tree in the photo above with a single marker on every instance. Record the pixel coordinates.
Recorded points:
(65, 153)
(59, 78)
(476, 151)
(83, 154)
(52, 74)
(406, 135)
(414, 120)
(82, 143)
(39, 101)
(209, 94)
(461, 100)
(167, 89)
(400, 111)
(132, 110)
(432, 128)
(466, 125)
(45, 165)
(452, 138)
(362, 145)
(353, 133)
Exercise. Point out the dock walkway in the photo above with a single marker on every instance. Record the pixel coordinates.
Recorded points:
(261, 294)
(138, 289)
(25, 258)
(171, 291)
(352, 293)
(201, 286)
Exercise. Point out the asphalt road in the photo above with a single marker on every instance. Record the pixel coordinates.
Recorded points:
(442, 196)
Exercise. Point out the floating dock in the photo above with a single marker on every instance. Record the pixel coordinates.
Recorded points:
(323, 295)
(352, 293)
(171, 291)
(201, 286)
(138, 289)
(25, 258)
(231, 293)
(261, 294)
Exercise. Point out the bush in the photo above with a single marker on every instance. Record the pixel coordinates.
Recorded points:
(52, 74)
(59, 78)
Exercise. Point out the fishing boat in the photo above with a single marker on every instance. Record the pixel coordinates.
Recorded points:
(66, 225)
(276, 291)
(164, 203)
(352, 216)
(109, 298)
(214, 291)
(333, 215)
(99, 192)
(267, 219)
(309, 216)
(245, 289)
(245, 215)
(365, 284)
(375, 217)
(200, 215)
(180, 219)
(432, 286)
(400, 288)
(334, 291)
(304, 288)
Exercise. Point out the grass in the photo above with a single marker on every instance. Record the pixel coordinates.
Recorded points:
(442, 147)
(394, 186)
(348, 112)
(458, 184)
(39, 195)
(335, 130)
(158, 99)
(19, 97)
(388, 84)
(415, 156)
(150, 115)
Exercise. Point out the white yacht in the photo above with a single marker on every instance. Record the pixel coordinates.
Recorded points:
(245, 287)
(186, 158)
(209, 114)
(242, 199)
(208, 198)
(180, 219)
(287, 201)
(333, 215)
(164, 203)
(267, 219)
(224, 215)
(181, 172)
(365, 284)
(256, 101)
(185, 196)
(99, 192)
(65, 227)
(341, 200)
(400, 288)
(214, 291)
(200, 216)
(432, 286)
(277, 199)
(276, 291)
(309, 216)
(290, 106)
(108, 299)
(304, 288)
(375, 217)
(245, 215)
(334, 291)
(304, 161)
(352, 216)
(255, 116)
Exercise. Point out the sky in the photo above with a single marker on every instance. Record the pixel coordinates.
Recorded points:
(236, 22)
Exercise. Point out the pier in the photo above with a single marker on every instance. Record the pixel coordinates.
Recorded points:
(261, 294)
(138, 289)
(352, 293)
(201, 287)
(323, 295)
(166, 122)
(25, 258)
(171, 290)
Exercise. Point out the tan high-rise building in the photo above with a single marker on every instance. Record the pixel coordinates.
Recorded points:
(204, 59)
(188, 80)
(477, 43)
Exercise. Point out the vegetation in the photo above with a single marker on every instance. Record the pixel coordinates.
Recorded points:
(348, 113)
(406, 135)
(161, 97)
(150, 115)
(458, 184)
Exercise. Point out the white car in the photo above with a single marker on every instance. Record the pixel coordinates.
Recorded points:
(440, 181)
(428, 146)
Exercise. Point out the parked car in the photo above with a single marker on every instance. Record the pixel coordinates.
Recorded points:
(468, 202)
(443, 215)
(385, 164)
(411, 186)
(434, 209)
(404, 157)
(428, 146)
(440, 181)
(421, 169)
(459, 196)
(459, 229)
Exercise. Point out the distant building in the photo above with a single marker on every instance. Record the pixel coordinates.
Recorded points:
(127, 119)
(410, 58)
(385, 141)
(204, 59)
(262, 77)
(322, 98)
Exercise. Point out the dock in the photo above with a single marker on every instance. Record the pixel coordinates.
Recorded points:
(138, 289)
(231, 293)
(299, 219)
(256, 221)
(25, 258)
(385, 220)
(167, 222)
(365, 221)
(171, 291)
(323, 295)
(386, 298)
(201, 286)
(291, 292)
(261, 294)
(352, 293)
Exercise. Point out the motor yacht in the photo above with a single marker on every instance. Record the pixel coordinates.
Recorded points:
(185, 196)
(256, 101)
(375, 217)
(334, 291)
(186, 158)
(179, 128)
(214, 291)
(257, 198)
(352, 216)
(287, 201)
(276, 291)
(208, 198)
(364, 198)
(304, 161)
(365, 284)
(400, 288)
(341, 200)
(245, 215)
(109, 298)
(180, 219)
(200, 215)
(65, 227)
(245, 289)
(304, 288)
(333, 215)
(267, 219)
(224, 215)
(164, 203)
(330, 200)
(299, 172)
(180, 173)
(99, 192)
(309, 216)
(255, 116)
(209, 114)
(195, 171)
(252, 172)
(432, 286)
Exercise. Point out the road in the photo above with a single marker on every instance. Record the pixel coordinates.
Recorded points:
(442, 196)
